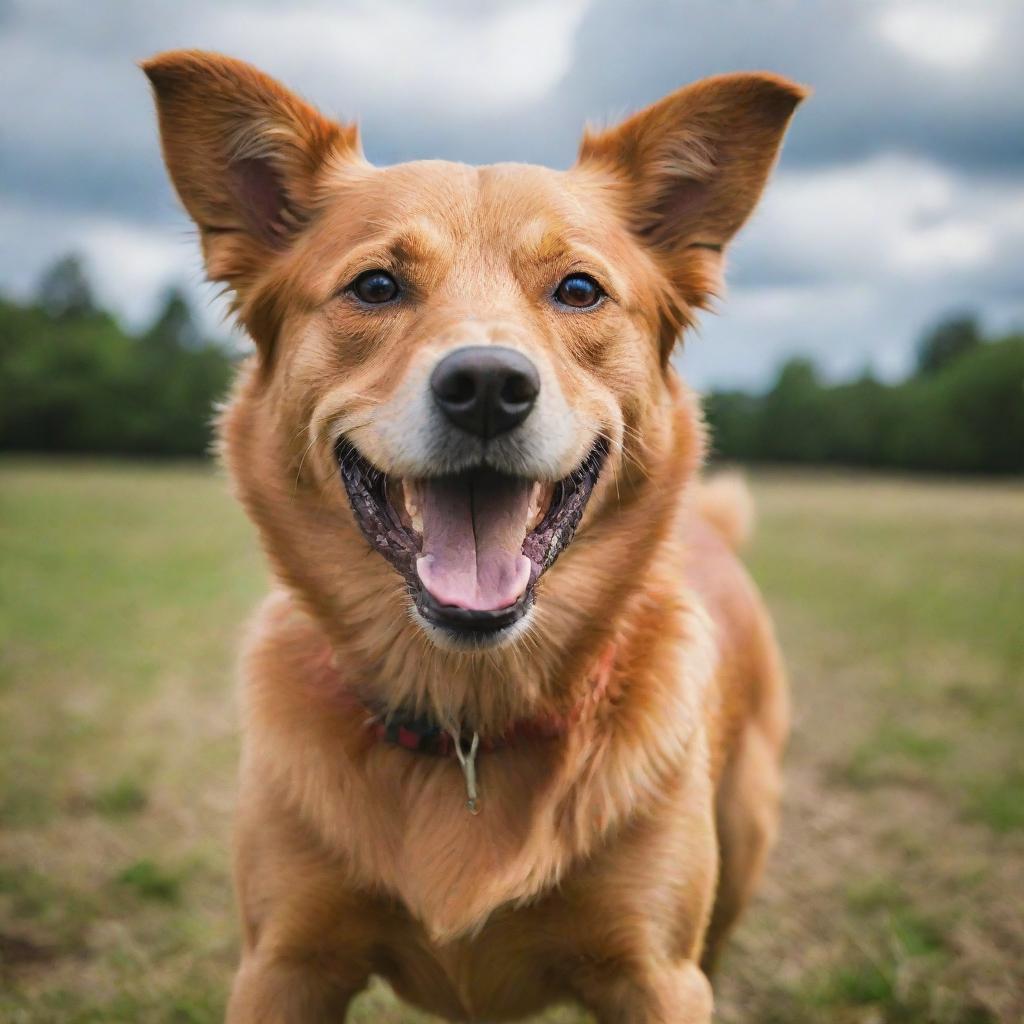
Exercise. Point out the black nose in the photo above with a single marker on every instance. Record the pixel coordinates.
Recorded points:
(485, 389)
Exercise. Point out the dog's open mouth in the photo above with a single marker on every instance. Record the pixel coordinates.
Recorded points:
(472, 546)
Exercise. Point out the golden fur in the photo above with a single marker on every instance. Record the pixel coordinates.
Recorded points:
(609, 863)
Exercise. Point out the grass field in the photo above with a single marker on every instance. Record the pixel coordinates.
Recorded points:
(896, 893)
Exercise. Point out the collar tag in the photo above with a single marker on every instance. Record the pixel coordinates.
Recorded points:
(467, 762)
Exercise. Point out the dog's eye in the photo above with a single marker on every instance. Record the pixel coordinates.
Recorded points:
(374, 287)
(579, 291)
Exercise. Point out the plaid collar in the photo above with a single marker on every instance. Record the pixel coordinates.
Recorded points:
(424, 735)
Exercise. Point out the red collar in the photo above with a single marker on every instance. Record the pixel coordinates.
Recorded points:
(424, 735)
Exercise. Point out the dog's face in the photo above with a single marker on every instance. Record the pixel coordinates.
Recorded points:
(479, 355)
(469, 352)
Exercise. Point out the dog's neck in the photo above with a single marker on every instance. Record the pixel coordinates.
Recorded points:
(422, 734)
(420, 731)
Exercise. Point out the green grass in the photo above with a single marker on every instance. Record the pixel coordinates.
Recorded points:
(150, 881)
(893, 895)
(999, 803)
(121, 798)
(123, 590)
(895, 752)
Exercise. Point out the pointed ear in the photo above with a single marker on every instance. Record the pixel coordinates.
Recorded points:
(246, 157)
(691, 168)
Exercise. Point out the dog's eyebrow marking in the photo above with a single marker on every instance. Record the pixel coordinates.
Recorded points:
(713, 246)
(418, 242)
(543, 242)
(419, 245)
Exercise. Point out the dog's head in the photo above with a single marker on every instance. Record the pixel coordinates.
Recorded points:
(458, 369)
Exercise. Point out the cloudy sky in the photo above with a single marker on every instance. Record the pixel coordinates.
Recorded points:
(900, 195)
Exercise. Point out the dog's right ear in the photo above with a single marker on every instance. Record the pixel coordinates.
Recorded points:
(246, 157)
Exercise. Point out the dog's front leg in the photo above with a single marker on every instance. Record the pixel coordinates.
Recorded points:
(271, 990)
(678, 993)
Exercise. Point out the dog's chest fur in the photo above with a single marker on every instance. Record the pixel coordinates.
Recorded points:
(398, 820)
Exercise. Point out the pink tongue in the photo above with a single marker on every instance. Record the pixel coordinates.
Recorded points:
(473, 532)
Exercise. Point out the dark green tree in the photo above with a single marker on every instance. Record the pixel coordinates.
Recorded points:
(947, 341)
(793, 421)
(64, 291)
(72, 380)
(175, 326)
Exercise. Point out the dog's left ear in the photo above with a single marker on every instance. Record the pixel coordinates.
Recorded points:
(691, 168)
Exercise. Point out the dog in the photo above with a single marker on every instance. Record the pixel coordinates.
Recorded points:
(514, 713)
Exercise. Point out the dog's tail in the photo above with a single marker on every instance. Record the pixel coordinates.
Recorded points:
(724, 502)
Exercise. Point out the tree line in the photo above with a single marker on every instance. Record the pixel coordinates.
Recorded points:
(73, 380)
(961, 410)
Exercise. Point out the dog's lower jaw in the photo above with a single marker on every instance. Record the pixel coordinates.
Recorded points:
(472, 547)
(461, 642)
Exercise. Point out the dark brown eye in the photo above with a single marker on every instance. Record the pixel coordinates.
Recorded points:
(579, 291)
(374, 287)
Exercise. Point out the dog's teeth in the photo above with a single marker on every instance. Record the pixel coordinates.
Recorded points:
(411, 494)
(412, 505)
(540, 501)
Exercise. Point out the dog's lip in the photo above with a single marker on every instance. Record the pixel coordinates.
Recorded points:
(470, 621)
(391, 533)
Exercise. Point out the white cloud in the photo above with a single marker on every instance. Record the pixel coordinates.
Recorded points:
(412, 54)
(949, 38)
(129, 264)
(848, 265)
(133, 263)
(953, 245)
(757, 327)
(890, 215)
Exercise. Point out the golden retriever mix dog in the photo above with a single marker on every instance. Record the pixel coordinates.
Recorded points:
(513, 715)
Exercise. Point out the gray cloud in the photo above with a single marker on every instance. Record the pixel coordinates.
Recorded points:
(900, 193)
